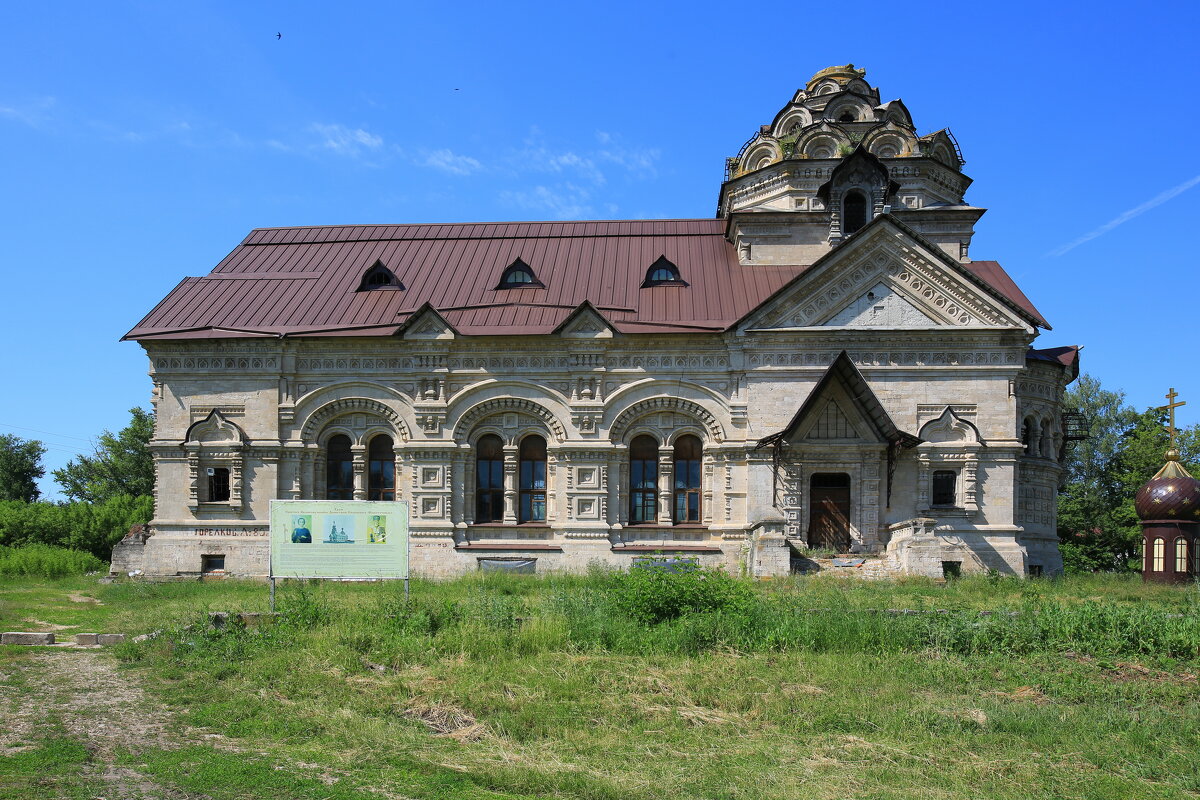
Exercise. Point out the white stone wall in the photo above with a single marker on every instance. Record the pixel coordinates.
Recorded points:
(588, 400)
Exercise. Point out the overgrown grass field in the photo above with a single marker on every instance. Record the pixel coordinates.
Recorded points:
(652, 686)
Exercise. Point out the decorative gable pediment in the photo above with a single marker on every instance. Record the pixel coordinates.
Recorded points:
(916, 287)
(585, 322)
(831, 423)
(949, 428)
(842, 407)
(427, 324)
(215, 429)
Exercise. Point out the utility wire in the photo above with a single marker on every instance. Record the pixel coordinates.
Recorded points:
(48, 433)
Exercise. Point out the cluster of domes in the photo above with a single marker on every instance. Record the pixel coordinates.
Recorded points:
(1172, 494)
(835, 113)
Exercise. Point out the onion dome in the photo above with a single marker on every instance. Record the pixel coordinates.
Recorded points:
(1172, 494)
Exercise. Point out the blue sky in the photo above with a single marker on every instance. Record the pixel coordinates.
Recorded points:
(142, 141)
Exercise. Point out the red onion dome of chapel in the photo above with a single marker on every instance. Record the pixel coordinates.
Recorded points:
(1172, 494)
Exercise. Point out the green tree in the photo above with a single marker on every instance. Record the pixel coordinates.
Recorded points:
(20, 467)
(120, 465)
(1097, 526)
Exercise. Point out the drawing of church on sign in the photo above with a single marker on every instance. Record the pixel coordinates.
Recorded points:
(821, 369)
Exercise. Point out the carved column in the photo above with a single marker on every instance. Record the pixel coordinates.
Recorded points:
(403, 479)
(666, 484)
(510, 485)
(359, 454)
(612, 482)
(469, 487)
(295, 465)
(454, 475)
(623, 491)
(306, 475)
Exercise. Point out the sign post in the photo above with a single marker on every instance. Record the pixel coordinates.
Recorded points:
(339, 539)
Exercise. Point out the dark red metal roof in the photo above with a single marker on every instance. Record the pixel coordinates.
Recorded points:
(304, 281)
(992, 274)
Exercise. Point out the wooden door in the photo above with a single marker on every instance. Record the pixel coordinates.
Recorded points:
(829, 517)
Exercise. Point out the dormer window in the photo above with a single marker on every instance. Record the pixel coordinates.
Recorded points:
(663, 273)
(379, 277)
(519, 275)
(854, 211)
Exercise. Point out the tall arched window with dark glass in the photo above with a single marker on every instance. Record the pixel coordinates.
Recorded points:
(381, 468)
(489, 479)
(339, 469)
(643, 480)
(687, 479)
(533, 479)
(854, 211)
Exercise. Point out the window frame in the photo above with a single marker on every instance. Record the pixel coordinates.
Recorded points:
(515, 267)
(692, 488)
(491, 496)
(218, 483)
(529, 494)
(643, 497)
(933, 488)
(344, 471)
(369, 283)
(663, 263)
(866, 211)
(385, 488)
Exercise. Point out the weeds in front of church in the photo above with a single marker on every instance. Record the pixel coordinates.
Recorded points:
(510, 686)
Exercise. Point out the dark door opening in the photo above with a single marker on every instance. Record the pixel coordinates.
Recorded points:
(829, 517)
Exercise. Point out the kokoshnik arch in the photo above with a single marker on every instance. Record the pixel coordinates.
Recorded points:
(823, 365)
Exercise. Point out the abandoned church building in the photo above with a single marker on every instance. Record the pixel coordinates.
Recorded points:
(821, 368)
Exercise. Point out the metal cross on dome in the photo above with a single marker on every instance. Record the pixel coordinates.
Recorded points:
(1170, 408)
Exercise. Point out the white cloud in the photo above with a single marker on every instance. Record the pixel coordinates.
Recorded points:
(448, 161)
(32, 114)
(566, 201)
(345, 141)
(1126, 216)
(635, 160)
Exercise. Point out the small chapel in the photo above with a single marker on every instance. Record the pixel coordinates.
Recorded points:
(822, 369)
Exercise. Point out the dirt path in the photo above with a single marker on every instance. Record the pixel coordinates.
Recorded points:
(97, 704)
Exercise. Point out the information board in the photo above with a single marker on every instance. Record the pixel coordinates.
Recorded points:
(339, 539)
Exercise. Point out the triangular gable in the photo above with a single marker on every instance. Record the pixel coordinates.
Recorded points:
(888, 251)
(842, 382)
(427, 323)
(585, 322)
(881, 306)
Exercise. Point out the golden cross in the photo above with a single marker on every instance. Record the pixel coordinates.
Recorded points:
(1170, 408)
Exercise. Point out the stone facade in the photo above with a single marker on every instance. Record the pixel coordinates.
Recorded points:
(913, 374)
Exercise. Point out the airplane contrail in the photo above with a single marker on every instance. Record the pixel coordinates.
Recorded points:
(1126, 216)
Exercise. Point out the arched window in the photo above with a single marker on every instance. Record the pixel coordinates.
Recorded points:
(846, 116)
(945, 487)
(381, 468)
(1181, 559)
(663, 273)
(1156, 562)
(533, 479)
(379, 277)
(519, 275)
(1029, 436)
(687, 479)
(489, 479)
(854, 211)
(339, 469)
(643, 480)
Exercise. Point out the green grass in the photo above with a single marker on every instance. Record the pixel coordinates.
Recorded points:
(505, 686)
(52, 768)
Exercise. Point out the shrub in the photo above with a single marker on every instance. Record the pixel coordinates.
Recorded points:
(44, 561)
(656, 590)
(94, 527)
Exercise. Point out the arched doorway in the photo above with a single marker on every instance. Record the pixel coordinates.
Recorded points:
(829, 514)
